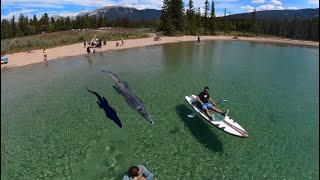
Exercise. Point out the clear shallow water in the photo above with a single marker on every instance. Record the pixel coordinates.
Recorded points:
(52, 128)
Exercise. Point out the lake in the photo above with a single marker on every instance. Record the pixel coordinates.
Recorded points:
(52, 127)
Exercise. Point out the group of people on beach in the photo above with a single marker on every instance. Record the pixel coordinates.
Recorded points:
(122, 43)
(88, 45)
(89, 51)
(98, 43)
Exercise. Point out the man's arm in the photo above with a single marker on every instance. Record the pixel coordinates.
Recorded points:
(146, 173)
(198, 99)
(125, 177)
(212, 101)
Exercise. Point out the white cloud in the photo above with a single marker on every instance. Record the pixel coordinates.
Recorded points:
(258, 1)
(292, 8)
(141, 4)
(38, 5)
(53, 2)
(221, 14)
(279, 8)
(16, 14)
(45, 5)
(276, 2)
(266, 7)
(64, 14)
(248, 8)
(224, 1)
(313, 2)
(269, 7)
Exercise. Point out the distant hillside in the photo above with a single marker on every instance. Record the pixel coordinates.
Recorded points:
(114, 12)
(303, 14)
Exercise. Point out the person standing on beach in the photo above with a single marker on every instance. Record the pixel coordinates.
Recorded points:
(45, 57)
(122, 42)
(88, 49)
(138, 172)
(84, 44)
(198, 39)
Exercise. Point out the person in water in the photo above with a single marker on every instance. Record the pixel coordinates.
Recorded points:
(45, 56)
(138, 172)
(206, 103)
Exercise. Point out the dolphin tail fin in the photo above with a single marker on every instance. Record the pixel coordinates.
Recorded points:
(88, 89)
(104, 71)
(99, 104)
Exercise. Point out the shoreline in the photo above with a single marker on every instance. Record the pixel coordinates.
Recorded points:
(26, 58)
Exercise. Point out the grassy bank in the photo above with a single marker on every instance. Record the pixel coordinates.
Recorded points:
(49, 40)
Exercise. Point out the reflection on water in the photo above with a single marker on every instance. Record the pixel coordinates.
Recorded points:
(46, 63)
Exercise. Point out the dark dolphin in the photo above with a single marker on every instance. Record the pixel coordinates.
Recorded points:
(110, 112)
(131, 99)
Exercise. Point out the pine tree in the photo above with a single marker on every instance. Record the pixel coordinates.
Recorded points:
(13, 26)
(52, 26)
(254, 23)
(44, 22)
(314, 32)
(213, 19)
(86, 22)
(6, 29)
(166, 24)
(59, 24)
(100, 21)
(23, 25)
(35, 23)
(176, 7)
(198, 21)
(206, 11)
(225, 22)
(190, 18)
(68, 23)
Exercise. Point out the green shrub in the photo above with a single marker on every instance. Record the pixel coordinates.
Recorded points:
(55, 39)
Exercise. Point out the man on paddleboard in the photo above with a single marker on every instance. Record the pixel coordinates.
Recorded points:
(206, 103)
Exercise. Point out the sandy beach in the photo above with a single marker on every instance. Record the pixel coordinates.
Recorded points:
(35, 56)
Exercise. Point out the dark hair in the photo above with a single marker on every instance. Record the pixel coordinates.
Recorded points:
(133, 171)
(206, 87)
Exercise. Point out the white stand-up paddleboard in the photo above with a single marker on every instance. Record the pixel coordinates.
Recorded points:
(198, 43)
(225, 124)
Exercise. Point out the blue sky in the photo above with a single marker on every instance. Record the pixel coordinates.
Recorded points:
(71, 7)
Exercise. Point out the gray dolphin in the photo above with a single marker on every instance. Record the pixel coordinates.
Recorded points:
(131, 99)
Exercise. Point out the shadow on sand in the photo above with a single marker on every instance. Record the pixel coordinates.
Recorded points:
(200, 129)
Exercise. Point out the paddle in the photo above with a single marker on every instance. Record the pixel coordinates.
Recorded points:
(195, 113)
